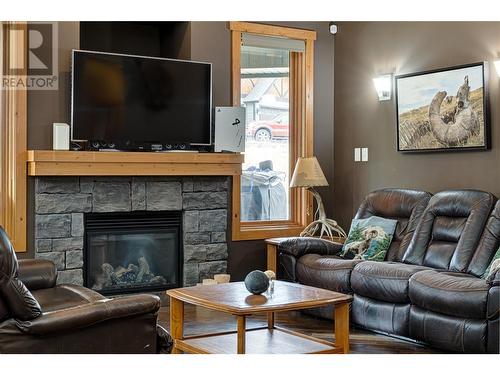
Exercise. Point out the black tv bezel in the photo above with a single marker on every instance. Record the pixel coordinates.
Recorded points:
(74, 51)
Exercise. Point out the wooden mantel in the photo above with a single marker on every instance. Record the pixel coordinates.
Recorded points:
(99, 163)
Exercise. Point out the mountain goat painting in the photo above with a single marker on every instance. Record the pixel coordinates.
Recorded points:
(367, 240)
(443, 109)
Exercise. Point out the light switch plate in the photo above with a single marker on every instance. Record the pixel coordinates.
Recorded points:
(364, 154)
(357, 154)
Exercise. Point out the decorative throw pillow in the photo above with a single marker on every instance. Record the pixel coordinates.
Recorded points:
(494, 265)
(369, 239)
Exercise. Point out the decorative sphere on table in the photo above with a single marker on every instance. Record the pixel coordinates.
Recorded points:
(257, 282)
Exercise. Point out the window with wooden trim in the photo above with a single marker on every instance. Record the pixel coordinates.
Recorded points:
(13, 136)
(272, 76)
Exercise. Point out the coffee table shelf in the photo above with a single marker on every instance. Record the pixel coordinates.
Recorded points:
(258, 341)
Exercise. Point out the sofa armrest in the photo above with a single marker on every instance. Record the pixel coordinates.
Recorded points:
(299, 246)
(93, 313)
(493, 305)
(493, 295)
(37, 273)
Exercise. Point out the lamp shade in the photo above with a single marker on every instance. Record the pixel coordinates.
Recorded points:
(308, 173)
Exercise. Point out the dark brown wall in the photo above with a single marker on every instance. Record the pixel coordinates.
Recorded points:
(47, 107)
(366, 49)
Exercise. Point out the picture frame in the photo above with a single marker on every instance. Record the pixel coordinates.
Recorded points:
(443, 109)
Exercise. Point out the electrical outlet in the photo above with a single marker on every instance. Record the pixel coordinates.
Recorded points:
(364, 154)
(357, 154)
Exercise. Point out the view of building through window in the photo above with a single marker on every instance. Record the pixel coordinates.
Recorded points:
(265, 94)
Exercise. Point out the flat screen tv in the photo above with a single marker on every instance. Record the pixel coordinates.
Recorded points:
(123, 98)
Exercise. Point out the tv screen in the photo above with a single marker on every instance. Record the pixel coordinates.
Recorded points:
(119, 98)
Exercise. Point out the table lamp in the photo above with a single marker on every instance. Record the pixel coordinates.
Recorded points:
(308, 174)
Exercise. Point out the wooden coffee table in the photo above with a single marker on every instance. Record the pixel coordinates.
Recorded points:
(233, 298)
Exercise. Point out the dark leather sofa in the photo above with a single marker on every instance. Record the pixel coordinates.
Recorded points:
(429, 288)
(38, 316)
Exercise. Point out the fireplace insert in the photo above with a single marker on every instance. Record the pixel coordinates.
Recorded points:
(133, 251)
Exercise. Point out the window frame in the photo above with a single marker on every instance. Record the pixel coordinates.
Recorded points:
(301, 129)
(13, 145)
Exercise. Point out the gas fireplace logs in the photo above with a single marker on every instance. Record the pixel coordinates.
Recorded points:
(125, 277)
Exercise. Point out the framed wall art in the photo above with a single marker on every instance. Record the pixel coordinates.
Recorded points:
(443, 110)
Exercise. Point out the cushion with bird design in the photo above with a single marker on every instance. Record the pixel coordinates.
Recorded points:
(369, 239)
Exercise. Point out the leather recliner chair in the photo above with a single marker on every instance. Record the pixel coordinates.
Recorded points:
(429, 290)
(458, 310)
(39, 317)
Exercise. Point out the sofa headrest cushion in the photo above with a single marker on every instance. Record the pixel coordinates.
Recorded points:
(404, 205)
(392, 203)
(449, 230)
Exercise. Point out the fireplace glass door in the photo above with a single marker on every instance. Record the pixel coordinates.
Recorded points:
(129, 252)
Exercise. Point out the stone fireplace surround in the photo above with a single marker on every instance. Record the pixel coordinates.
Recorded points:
(60, 204)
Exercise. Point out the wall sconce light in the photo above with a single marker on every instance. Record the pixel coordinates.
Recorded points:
(383, 85)
(497, 66)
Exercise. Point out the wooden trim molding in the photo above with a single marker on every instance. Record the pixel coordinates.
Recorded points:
(95, 163)
(301, 129)
(272, 30)
(235, 67)
(14, 139)
(3, 122)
